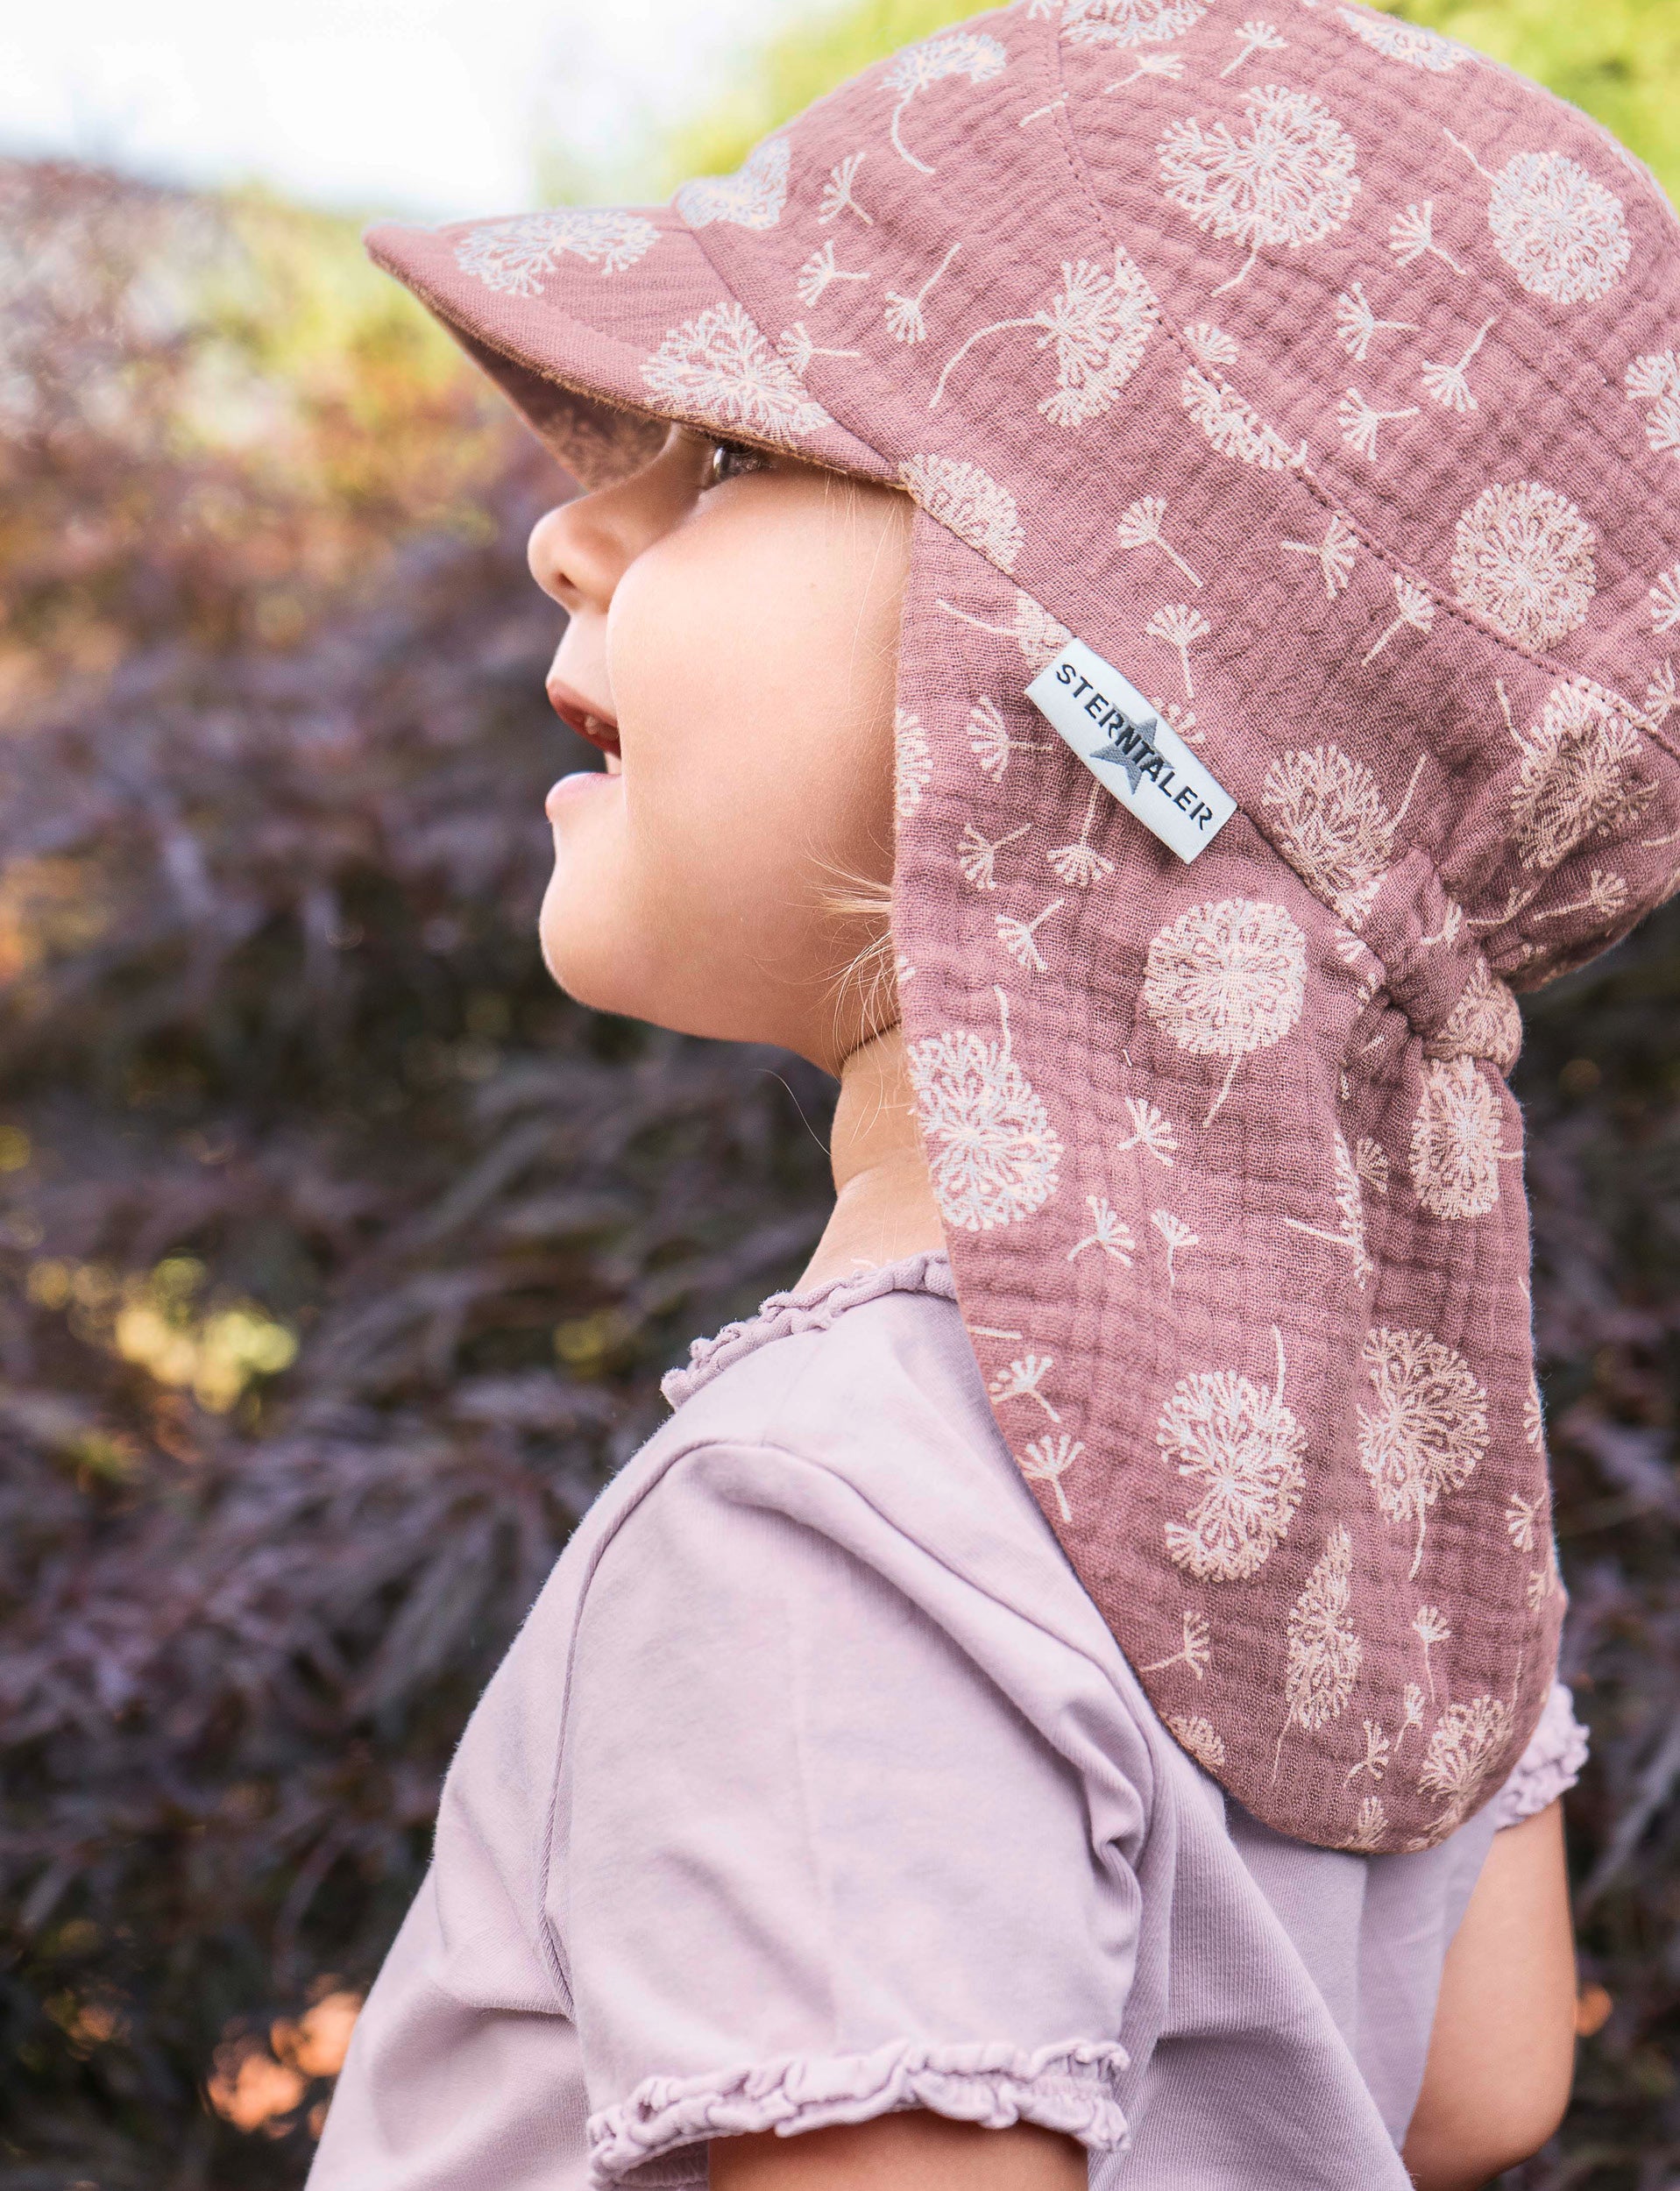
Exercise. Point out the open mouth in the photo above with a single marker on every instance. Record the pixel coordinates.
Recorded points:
(575, 713)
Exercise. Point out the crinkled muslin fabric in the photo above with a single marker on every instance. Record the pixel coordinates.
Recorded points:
(1323, 377)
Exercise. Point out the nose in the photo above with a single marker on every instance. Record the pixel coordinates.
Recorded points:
(579, 552)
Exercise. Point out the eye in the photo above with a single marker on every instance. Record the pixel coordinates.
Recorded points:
(729, 460)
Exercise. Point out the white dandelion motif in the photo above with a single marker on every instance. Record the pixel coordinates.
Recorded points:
(989, 741)
(838, 195)
(1195, 1733)
(1141, 528)
(1324, 1653)
(1544, 1582)
(1561, 233)
(913, 762)
(995, 1157)
(796, 347)
(1533, 1416)
(1110, 1231)
(1239, 1441)
(1177, 1237)
(1021, 1380)
(1525, 559)
(1336, 554)
(1034, 630)
(1665, 602)
(1180, 719)
(969, 503)
(1371, 1162)
(1165, 68)
(821, 272)
(1447, 385)
(1662, 694)
(1654, 382)
(1520, 1515)
(1429, 1626)
(1126, 23)
(1350, 1233)
(1225, 979)
(1047, 1460)
(1425, 1429)
(1361, 423)
(1452, 926)
(1051, 106)
(1020, 937)
(1378, 1749)
(1289, 180)
(1607, 898)
(1468, 1741)
(1151, 1131)
(906, 322)
(1234, 427)
(1357, 324)
(1370, 1828)
(1486, 1021)
(718, 369)
(969, 53)
(1333, 825)
(752, 197)
(1405, 41)
(1416, 613)
(518, 256)
(1255, 37)
(1411, 1714)
(1193, 1654)
(1573, 779)
(977, 855)
(1456, 1140)
(1210, 345)
(1411, 237)
(1098, 324)
(1079, 865)
(1179, 627)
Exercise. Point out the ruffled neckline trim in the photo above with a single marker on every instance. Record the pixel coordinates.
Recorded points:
(815, 1309)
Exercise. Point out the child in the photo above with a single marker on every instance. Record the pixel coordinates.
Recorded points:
(1070, 1690)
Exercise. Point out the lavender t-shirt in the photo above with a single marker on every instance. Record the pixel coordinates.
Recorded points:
(815, 1786)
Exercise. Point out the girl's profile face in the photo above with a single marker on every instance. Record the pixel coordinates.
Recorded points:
(733, 648)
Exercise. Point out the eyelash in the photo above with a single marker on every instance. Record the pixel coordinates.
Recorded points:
(729, 460)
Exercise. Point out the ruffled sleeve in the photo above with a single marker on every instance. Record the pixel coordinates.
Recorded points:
(1551, 1764)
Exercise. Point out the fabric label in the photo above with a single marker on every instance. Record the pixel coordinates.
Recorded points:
(1124, 743)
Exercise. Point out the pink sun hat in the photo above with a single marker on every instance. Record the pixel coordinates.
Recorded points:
(1293, 403)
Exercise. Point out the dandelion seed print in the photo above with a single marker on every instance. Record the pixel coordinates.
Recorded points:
(989, 741)
(1350, 1231)
(1426, 1429)
(1411, 237)
(1525, 558)
(1128, 23)
(1469, 1741)
(1371, 1162)
(994, 1155)
(1654, 383)
(1020, 937)
(1362, 425)
(1254, 38)
(1561, 233)
(1332, 824)
(821, 272)
(1520, 1517)
(1141, 528)
(1429, 1626)
(969, 503)
(1179, 627)
(1456, 1140)
(1574, 778)
(752, 197)
(1416, 613)
(1079, 865)
(1097, 323)
(1357, 324)
(1533, 1416)
(1486, 1022)
(1605, 898)
(1151, 1131)
(1110, 1232)
(1234, 429)
(977, 855)
(1021, 1380)
(1237, 1439)
(719, 370)
(1662, 694)
(1034, 630)
(795, 348)
(913, 762)
(1225, 979)
(1210, 345)
(1165, 68)
(1411, 1714)
(1324, 1651)
(1336, 554)
(1447, 385)
(1198, 1735)
(1369, 1829)
(1665, 602)
(1289, 180)
(1047, 1460)
(1177, 1237)
(1405, 42)
(838, 193)
(905, 320)
(951, 53)
(517, 255)
(1378, 1748)
(1193, 1654)
(1544, 1582)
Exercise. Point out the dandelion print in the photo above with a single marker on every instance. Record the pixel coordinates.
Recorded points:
(1165, 68)
(1665, 602)
(1662, 694)
(1047, 1460)
(1098, 323)
(937, 60)
(1176, 1235)
(1336, 554)
(1561, 234)
(1361, 424)
(1371, 1162)
(1110, 1232)
(1289, 180)
(1210, 345)
(1020, 937)
(989, 741)
(1573, 780)
(752, 197)
(1333, 826)
(1469, 1741)
(1654, 382)
(1200, 1738)
(1235, 429)
(968, 502)
(1525, 559)
(1237, 1439)
(1126, 23)
(796, 349)
(1456, 1140)
(1254, 38)
(1447, 385)
(1412, 1714)
(1192, 1654)
(518, 256)
(994, 1154)
(977, 855)
(820, 273)
(1179, 627)
(1607, 898)
(1404, 41)
(838, 196)
(1225, 979)
(1021, 1380)
(1520, 1517)
(1324, 1652)
(913, 762)
(1141, 528)
(1034, 630)
(1429, 1626)
(1416, 613)
(904, 314)
(1427, 1426)
(1079, 865)
(1374, 1763)
(1151, 1131)
(1544, 1582)
(1350, 1210)
(1534, 1415)
(1411, 237)
(1369, 1829)
(1357, 324)
(1485, 1022)
(719, 370)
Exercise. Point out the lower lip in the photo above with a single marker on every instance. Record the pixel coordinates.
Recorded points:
(582, 785)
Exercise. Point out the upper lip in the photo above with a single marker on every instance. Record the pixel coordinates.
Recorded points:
(583, 716)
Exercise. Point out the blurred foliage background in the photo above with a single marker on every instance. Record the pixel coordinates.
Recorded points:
(339, 1256)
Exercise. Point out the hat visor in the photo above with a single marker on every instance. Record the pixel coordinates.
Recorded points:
(604, 325)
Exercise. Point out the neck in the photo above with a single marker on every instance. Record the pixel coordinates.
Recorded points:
(884, 1200)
